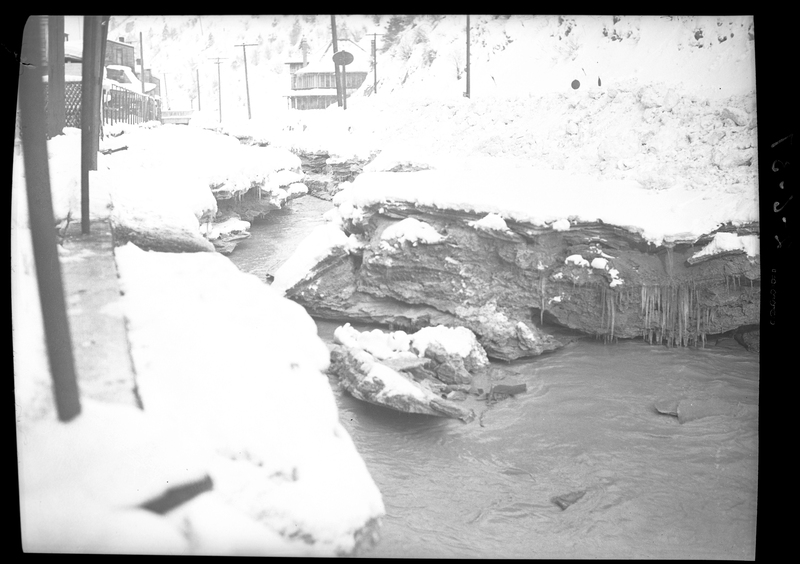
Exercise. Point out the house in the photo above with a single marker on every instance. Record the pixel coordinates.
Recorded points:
(119, 53)
(313, 84)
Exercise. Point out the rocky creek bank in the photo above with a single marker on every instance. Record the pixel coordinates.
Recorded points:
(507, 285)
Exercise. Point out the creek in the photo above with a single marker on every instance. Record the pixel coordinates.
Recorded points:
(644, 485)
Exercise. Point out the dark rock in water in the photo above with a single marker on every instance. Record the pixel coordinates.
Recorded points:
(691, 409)
(749, 337)
(565, 500)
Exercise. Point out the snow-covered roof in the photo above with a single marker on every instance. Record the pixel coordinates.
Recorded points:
(73, 49)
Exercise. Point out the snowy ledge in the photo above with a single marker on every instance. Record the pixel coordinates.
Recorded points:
(543, 197)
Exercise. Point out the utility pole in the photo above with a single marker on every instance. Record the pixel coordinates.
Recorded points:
(467, 92)
(197, 72)
(246, 81)
(166, 90)
(141, 59)
(219, 85)
(336, 65)
(375, 61)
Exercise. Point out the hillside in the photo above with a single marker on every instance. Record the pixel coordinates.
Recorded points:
(177, 47)
(426, 55)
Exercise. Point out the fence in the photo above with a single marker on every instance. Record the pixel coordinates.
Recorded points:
(124, 106)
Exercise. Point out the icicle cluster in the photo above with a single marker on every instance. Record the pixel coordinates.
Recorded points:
(673, 315)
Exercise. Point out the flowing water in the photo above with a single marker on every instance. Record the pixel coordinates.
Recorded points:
(644, 485)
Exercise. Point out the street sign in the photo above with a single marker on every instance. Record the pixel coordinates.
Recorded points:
(342, 58)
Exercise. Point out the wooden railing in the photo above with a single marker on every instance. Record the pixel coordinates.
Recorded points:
(124, 106)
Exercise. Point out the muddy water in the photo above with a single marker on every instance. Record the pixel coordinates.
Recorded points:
(646, 486)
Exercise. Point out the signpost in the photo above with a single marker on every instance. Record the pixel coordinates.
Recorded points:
(343, 58)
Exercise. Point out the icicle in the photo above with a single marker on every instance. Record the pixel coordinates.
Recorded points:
(612, 318)
(541, 309)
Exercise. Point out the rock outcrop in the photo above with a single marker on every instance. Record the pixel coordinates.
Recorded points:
(595, 278)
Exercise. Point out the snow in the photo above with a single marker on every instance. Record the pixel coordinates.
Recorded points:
(379, 344)
(561, 225)
(394, 384)
(665, 146)
(454, 340)
(411, 230)
(230, 374)
(399, 344)
(576, 259)
(322, 242)
(723, 242)
(536, 196)
(490, 222)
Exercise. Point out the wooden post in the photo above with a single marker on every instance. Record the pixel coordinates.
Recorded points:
(43, 236)
(56, 87)
(197, 71)
(89, 103)
(336, 66)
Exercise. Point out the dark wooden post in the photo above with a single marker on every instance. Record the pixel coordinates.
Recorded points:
(91, 89)
(40, 207)
(56, 87)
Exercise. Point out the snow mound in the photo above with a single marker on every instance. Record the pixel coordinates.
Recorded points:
(490, 222)
(245, 387)
(413, 231)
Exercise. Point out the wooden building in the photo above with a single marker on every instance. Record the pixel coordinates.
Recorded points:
(313, 84)
(120, 53)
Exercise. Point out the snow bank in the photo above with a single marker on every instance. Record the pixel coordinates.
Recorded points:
(257, 396)
(540, 197)
(108, 461)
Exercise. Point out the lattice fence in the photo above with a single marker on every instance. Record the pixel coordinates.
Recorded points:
(72, 103)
